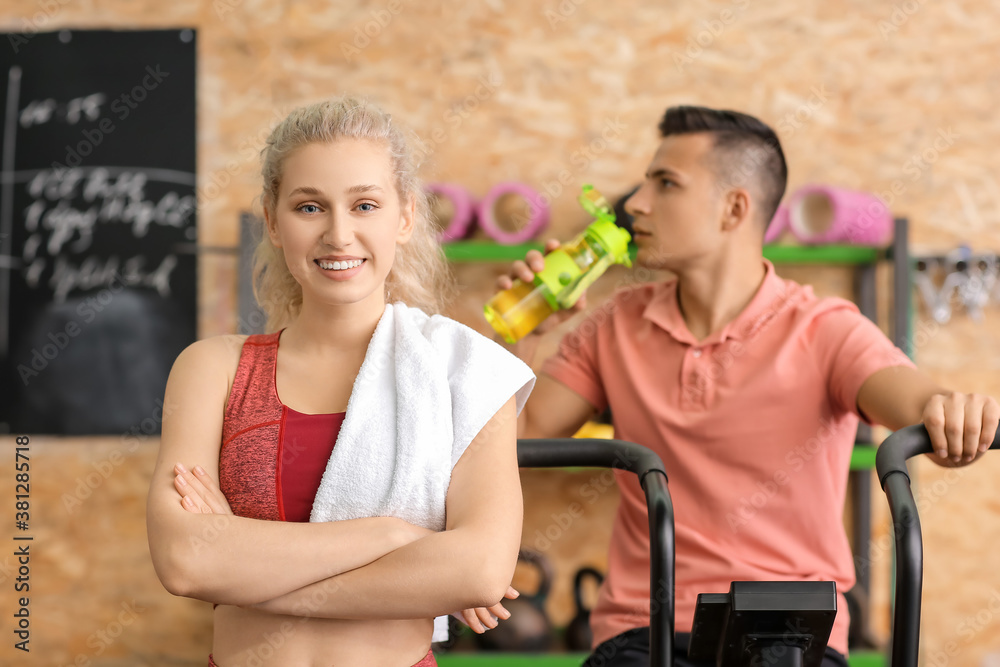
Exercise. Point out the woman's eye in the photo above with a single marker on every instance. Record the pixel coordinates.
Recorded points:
(308, 208)
(370, 207)
(665, 182)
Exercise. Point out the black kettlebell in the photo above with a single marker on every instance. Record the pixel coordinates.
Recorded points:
(528, 629)
(578, 635)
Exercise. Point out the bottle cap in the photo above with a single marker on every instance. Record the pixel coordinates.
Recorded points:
(612, 238)
(595, 204)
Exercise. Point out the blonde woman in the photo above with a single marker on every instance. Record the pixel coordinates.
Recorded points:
(336, 484)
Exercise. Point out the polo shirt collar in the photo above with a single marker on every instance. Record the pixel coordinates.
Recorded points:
(663, 310)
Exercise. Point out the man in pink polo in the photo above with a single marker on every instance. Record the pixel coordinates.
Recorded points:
(748, 386)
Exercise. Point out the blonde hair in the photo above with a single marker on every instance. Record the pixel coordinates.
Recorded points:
(419, 276)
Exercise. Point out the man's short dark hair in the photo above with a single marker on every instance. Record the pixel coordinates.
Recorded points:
(746, 151)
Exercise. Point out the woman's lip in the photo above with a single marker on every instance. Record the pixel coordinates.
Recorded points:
(342, 274)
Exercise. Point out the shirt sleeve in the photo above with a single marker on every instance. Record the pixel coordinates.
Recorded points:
(575, 363)
(852, 348)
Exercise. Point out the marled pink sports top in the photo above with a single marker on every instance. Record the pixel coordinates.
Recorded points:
(272, 457)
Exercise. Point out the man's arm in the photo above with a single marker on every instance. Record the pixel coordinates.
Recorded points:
(961, 426)
(553, 411)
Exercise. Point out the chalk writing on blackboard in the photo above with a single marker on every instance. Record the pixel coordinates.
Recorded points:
(97, 286)
(68, 205)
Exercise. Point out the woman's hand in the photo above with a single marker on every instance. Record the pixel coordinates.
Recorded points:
(482, 619)
(199, 493)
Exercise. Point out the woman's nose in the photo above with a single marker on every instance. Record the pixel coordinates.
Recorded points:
(338, 232)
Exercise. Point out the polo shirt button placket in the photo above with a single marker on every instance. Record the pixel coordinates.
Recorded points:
(694, 382)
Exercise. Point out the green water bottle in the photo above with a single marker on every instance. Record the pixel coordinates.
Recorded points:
(569, 270)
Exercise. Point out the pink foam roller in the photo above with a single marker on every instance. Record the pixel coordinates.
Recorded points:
(461, 199)
(539, 213)
(823, 214)
(778, 224)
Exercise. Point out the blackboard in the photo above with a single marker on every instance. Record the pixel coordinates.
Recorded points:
(97, 206)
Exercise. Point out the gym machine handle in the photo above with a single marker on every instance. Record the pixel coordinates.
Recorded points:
(890, 463)
(647, 466)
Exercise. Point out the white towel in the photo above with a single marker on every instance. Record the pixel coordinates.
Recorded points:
(426, 388)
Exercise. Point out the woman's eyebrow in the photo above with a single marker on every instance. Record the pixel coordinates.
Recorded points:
(358, 189)
(305, 190)
(316, 192)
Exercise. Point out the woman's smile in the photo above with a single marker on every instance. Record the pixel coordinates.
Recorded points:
(344, 269)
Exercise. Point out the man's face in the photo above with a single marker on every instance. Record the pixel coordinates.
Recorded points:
(679, 205)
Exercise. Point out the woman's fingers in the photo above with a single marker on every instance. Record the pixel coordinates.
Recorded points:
(472, 620)
(481, 619)
(216, 499)
(488, 620)
(198, 492)
(190, 499)
(499, 611)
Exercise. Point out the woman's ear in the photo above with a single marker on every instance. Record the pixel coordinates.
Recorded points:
(407, 219)
(271, 223)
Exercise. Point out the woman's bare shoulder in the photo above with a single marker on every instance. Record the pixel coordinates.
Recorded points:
(224, 346)
(215, 353)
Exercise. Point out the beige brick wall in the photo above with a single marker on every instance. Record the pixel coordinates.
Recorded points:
(504, 89)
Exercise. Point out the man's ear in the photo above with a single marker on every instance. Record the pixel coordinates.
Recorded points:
(271, 224)
(737, 209)
(407, 219)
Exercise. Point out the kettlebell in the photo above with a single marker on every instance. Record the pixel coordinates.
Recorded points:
(578, 635)
(528, 629)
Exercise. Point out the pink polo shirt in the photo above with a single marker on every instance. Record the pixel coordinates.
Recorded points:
(755, 425)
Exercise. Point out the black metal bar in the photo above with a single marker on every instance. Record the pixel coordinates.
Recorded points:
(861, 508)
(861, 520)
(661, 571)
(587, 452)
(890, 463)
(901, 286)
(909, 572)
(864, 291)
(905, 444)
(252, 319)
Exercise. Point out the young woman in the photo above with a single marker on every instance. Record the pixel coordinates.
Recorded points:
(400, 425)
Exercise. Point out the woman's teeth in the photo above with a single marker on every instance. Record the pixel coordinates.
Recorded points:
(340, 266)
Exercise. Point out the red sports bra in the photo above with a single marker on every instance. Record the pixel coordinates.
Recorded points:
(272, 457)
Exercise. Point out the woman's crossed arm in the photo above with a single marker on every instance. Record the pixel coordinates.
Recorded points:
(219, 557)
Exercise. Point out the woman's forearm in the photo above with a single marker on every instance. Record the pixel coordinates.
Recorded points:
(468, 565)
(439, 574)
(234, 560)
